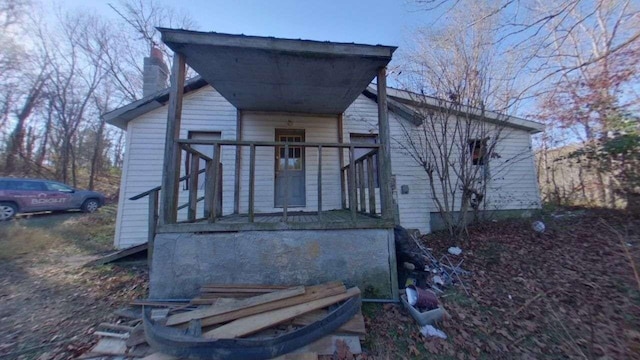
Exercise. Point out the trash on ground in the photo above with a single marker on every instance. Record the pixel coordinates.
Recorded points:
(454, 250)
(538, 226)
(430, 331)
(261, 313)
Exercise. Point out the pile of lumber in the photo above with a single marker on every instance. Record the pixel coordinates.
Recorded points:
(250, 311)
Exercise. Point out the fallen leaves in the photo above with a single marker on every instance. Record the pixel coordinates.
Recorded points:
(567, 293)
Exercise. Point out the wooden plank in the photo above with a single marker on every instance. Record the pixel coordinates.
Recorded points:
(247, 303)
(343, 194)
(216, 184)
(353, 326)
(384, 155)
(277, 143)
(118, 255)
(298, 356)
(319, 183)
(117, 327)
(137, 336)
(313, 293)
(238, 162)
(254, 323)
(171, 163)
(352, 184)
(371, 185)
(159, 356)
(285, 200)
(208, 188)
(327, 345)
(252, 182)
(362, 186)
(152, 224)
(110, 346)
(111, 335)
(194, 168)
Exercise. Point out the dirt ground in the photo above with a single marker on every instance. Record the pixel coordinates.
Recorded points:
(49, 303)
(568, 293)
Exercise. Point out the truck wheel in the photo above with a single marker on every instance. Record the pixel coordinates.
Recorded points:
(90, 205)
(7, 211)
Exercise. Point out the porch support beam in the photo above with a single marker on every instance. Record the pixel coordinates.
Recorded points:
(236, 188)
(384, 156)
(171, 164)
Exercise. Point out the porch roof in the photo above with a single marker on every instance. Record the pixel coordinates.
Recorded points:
(286, 75)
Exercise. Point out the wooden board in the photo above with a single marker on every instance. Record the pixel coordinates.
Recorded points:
(251, 324)
(110, 346)
(159, 356)
(137, 336)
(353, 326)
(327, 345)
(298, 356)
(313, 293)
(246, 303)
(120, 254)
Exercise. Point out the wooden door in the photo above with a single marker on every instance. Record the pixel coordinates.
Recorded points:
(294, 176)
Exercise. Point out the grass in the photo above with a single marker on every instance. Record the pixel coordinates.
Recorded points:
(71, 233)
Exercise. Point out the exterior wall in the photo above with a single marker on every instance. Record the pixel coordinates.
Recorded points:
(362, 118)
(513, 184)
(262, 127)
(206, 110)
(183, 262)
(203, 110)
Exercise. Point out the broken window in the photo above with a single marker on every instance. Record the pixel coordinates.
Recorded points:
(478, 151)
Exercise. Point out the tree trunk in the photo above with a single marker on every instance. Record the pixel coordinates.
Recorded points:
(96, 155)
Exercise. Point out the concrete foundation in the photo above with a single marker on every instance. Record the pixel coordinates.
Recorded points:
(182, 262)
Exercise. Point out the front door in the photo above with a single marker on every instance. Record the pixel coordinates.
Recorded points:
(293, 177)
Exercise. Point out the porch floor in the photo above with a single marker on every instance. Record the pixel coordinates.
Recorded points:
(297, 217)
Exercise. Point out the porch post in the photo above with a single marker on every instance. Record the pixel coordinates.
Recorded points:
(171, 165)
(384, 156)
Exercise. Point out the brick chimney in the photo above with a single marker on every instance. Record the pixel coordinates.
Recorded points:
(155, 73)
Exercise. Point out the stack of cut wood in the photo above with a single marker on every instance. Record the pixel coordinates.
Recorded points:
(261, 312)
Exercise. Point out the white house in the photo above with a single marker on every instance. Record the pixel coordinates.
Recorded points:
(285, 154)
(206, 114)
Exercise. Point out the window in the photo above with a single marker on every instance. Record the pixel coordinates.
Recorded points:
(366, 139)
(478, 151)
(28, 186)
(205, 149)
(58, 187)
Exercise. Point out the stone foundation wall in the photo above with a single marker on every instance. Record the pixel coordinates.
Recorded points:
(182, 262)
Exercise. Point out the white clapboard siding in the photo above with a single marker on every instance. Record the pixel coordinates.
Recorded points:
(262, 127)
(513, 184)
(362, 118)
(203, 110)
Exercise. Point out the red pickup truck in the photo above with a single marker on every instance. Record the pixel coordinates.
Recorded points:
(32, 195)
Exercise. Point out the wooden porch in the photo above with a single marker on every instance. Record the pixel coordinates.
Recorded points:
(356, 206)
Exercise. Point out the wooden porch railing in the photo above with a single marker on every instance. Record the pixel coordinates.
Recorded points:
(364, 187)
(349, 188)
(354, 184)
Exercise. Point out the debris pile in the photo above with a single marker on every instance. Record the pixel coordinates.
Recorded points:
(248, 321)
(421, 267)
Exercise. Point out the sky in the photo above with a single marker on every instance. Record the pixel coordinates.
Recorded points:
(386, 22)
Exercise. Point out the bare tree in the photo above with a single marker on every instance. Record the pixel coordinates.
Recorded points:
(455, 73)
